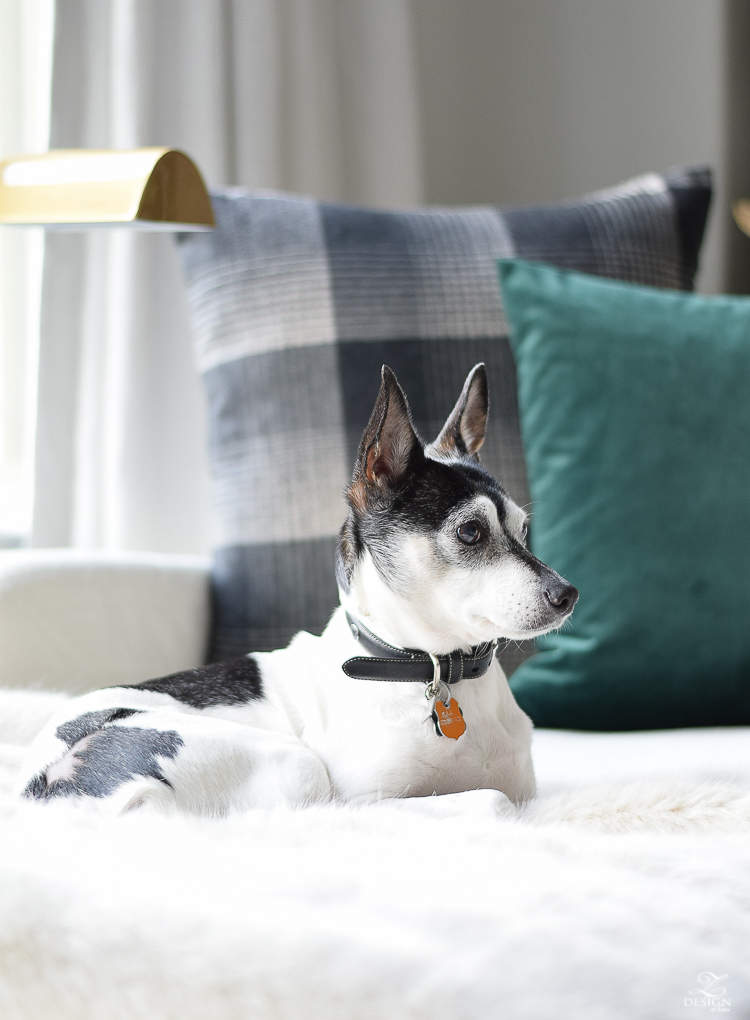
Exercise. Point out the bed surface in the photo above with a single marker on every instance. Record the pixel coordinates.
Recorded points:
(623, 890)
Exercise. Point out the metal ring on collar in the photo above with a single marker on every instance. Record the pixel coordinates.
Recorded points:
(433, 687)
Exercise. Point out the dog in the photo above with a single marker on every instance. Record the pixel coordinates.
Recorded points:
(401, 697)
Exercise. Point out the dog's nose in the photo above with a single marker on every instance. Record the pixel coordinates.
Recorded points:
(562, 597)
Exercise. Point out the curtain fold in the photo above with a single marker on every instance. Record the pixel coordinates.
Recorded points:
(25, 66)
(314, 96)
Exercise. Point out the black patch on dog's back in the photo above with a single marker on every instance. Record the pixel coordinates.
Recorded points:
(233, 682)
(111, 756)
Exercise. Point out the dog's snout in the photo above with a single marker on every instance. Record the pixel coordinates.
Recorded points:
(562, 596)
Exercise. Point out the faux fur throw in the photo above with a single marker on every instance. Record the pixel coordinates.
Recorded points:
(622, 891)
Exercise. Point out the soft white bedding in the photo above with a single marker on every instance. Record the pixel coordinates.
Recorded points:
(623, 890)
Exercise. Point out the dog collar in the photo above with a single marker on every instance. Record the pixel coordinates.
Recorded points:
(386, 662)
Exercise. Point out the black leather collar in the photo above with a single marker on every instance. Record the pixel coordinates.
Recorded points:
(407, 664)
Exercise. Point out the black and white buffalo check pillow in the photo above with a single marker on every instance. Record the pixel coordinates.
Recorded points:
(295, 306)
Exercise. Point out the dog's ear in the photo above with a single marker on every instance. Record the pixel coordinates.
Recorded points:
(389, 443)
(463, 433)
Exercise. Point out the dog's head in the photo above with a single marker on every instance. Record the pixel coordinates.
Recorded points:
(433, 547)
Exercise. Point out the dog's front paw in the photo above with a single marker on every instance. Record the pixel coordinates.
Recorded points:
(474, 803)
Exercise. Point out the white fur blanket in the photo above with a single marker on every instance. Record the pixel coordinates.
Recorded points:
(623, 891)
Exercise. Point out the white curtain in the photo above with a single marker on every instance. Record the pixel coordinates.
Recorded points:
(313, 96)
(25, 62)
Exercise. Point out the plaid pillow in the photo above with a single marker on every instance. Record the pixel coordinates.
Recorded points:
(295, 306)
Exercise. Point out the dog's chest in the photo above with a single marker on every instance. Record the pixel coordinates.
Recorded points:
(414, 766)
(397, 752)
(378, 739)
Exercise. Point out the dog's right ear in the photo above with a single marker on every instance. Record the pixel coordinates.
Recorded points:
(389, 443)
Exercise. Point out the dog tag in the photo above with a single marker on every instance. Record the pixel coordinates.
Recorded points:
(448, 718)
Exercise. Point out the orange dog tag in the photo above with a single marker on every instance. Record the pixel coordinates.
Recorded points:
(448, 718)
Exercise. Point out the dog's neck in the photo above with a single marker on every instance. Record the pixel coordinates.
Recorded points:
(392, 617)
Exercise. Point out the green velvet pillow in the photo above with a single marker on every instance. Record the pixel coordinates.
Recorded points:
(635, 417)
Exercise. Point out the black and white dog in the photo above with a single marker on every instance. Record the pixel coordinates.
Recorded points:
(402, 695)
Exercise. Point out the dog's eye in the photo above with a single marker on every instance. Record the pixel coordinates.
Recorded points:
(469, 533)
(524, 532)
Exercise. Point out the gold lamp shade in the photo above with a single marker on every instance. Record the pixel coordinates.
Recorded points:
(741, 212)
(145, 189)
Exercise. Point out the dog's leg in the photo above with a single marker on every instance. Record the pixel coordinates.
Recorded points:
(470, 803)
(121, 759)
(225, 766)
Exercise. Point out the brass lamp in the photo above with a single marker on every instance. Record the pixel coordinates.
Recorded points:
(741, 213)
(77, 189)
